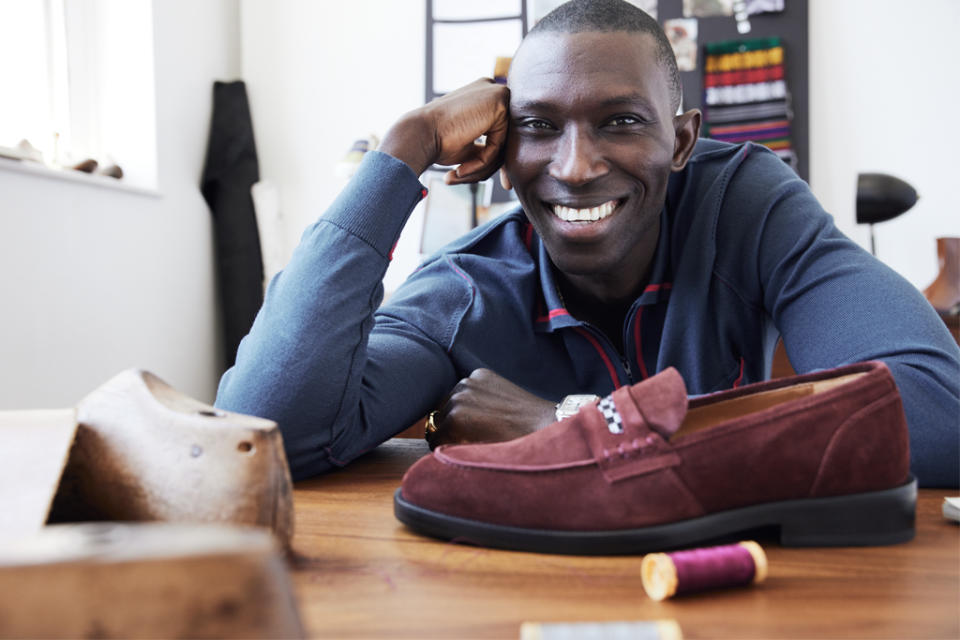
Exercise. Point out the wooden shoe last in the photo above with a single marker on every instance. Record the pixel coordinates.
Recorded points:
(144, 451)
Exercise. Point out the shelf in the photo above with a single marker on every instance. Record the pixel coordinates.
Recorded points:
(92, 180)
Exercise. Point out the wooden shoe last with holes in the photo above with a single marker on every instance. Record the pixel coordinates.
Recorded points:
(144, 451)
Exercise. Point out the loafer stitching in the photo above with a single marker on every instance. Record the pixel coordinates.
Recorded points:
(876, 405)
(498, 466)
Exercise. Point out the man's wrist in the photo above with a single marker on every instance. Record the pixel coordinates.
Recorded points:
(410, 140)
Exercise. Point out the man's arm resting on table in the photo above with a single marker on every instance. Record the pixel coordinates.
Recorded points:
(835, 304)
(305, 359)
(312, 361)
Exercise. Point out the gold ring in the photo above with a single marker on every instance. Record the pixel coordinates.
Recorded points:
(431, 426)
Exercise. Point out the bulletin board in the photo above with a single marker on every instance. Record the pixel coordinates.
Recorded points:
(790, 26)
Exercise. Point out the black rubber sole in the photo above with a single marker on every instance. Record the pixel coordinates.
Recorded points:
(863, 519)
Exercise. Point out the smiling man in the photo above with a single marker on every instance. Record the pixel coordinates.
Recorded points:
(637, 247)
(592, 146)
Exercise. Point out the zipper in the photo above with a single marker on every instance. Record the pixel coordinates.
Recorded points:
(632, 317)
(626, 367)
(608, 346)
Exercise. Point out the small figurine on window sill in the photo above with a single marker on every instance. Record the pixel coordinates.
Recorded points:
(92, 166)
(24, 151)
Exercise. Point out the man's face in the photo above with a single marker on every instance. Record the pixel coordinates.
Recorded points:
(591, 136)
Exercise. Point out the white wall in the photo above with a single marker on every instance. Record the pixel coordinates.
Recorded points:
(97, 280)
(320, 75)
(883, 97)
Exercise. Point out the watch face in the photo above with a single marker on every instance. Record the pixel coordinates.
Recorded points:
(571, 404)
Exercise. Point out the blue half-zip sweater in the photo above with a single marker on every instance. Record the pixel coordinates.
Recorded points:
(745, 254)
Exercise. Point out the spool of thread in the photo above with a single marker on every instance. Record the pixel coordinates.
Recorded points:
(667, 574)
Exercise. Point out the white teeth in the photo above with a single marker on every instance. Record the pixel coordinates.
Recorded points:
(584, 215)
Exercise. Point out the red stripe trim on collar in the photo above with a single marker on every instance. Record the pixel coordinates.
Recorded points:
(638, 343)
(736, 383)
(603, 354)
(657, 287)
(554, 313)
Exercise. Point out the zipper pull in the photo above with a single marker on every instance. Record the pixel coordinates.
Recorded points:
(626, 367)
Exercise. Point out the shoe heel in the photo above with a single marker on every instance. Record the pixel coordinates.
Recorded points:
(875, 518)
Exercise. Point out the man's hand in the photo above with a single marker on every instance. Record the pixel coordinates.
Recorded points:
(486, 407)
(444, 132)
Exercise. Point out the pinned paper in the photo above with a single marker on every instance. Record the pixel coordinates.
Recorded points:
(741, 16)
(754, 7)
(682, 34)
(707, 8)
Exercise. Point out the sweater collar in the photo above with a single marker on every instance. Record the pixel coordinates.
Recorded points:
(551, 314)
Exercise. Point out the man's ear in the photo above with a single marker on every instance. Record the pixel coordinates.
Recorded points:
(505, 180)
(687, 129)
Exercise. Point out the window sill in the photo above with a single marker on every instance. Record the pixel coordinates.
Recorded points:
(93, 180)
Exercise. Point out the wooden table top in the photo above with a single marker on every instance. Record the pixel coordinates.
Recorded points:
(361, 574)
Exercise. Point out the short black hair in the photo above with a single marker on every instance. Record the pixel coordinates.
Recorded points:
(578, 16)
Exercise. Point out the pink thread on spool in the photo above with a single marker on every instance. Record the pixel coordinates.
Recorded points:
(668, 574)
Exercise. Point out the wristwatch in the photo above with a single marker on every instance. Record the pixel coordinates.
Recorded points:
(571, 404)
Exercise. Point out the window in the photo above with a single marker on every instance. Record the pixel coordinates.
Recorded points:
(78, 83)
(464, 40)
(27, 75)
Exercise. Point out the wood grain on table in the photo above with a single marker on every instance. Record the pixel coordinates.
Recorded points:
(359, 573)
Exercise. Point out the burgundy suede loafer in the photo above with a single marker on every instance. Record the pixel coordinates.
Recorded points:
(824, 457)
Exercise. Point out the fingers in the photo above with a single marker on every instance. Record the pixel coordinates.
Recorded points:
(487, 158)
(474, 172)
(478, 109)
(497, 137)
(454, 415)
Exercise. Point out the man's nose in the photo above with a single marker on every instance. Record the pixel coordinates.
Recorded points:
(577, 159)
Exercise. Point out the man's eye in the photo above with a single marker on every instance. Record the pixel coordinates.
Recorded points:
(624, 121)
(534, 123)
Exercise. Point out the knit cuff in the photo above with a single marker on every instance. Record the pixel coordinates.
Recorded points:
(377, 202)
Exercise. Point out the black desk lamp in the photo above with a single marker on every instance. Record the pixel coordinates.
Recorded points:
(882, 197)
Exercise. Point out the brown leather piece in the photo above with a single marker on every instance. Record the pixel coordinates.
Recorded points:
(944, 292)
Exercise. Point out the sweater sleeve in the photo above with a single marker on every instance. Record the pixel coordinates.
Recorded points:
(336, 381)
(835, 304)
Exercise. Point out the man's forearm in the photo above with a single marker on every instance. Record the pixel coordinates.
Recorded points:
(306, 351)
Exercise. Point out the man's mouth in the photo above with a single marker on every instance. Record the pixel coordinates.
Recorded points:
(590, 214)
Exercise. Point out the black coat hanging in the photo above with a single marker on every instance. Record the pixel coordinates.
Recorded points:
(230, 170)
